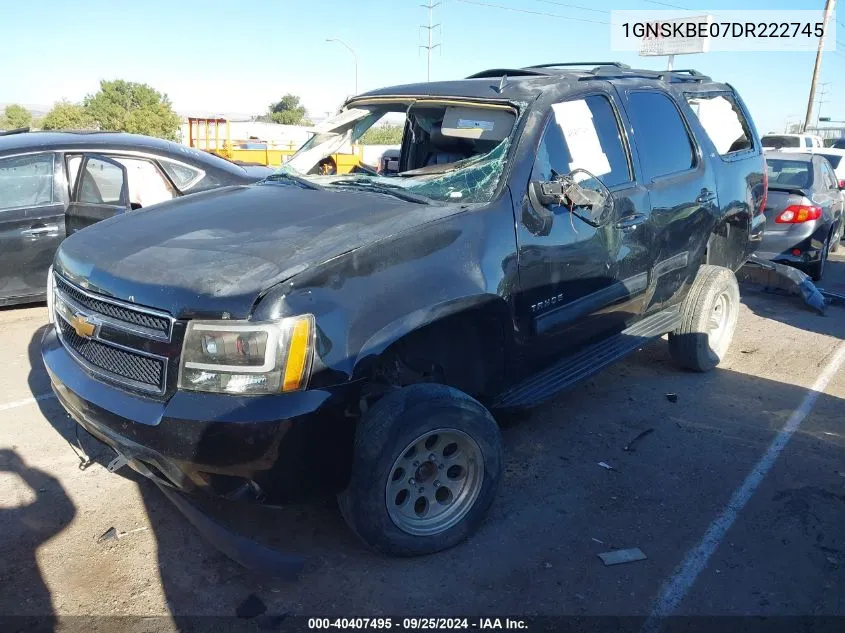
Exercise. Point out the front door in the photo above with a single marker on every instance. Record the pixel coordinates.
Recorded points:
(100, 190)
(582, 279)
(31, 225)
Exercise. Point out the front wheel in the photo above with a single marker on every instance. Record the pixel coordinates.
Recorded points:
(708, 319)
(426, 465)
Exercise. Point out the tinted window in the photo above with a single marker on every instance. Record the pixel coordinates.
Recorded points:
(839, 143)
(723, 120)
(829, 176)
(789, 173)
(808, 142)
(661, 136)
(183, 176)
(26, 181)
(583, 134)
(834, 159)
(776, 142)
(101, 183)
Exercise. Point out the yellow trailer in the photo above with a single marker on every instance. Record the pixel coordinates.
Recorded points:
(205, 134)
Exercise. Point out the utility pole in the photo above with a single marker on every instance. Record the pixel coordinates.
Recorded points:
(828, 9)
(430, 28)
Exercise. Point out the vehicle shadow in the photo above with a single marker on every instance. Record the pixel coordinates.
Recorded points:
(34, 509)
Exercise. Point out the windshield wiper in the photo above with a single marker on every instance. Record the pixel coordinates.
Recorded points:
(390, 190)
(302, 182)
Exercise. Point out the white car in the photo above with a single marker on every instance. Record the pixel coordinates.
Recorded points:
(835, 156)
(792, 142)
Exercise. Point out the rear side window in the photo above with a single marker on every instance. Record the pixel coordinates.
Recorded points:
(182, 175)
(583, 134)
(829, 176)
(834, 159)
(661, 136)
(808, 142)
(26, 181)
(101, 183)
(723, 121)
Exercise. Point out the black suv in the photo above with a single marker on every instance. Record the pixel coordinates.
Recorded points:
(353, 333)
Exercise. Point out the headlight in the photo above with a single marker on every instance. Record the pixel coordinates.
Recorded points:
(50, 313)
(247, 357)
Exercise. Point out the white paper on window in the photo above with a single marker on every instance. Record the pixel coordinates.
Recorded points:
(576, 123)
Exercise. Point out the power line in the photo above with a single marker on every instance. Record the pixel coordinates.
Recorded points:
(528, 11)
(574, 6)
(666, 4)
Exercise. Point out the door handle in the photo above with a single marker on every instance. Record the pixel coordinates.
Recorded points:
(40, 230)
(631, 221)
(706, 196)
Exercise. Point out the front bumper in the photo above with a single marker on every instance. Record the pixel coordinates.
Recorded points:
(277, 449)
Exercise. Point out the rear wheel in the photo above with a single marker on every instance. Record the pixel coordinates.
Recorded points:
(426, 465)
(816, 270)
(708, 319)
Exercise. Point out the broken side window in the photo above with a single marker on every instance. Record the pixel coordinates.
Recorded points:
(583, 134)
(723, 121)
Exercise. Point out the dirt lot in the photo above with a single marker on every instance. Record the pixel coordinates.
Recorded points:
(734, 520)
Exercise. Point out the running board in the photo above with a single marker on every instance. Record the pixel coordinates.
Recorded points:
(572, 369)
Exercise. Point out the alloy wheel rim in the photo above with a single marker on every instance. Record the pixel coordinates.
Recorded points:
(434, 482)
(717, 323)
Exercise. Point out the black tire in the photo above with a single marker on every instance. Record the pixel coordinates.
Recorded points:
(383, 435)
(690, 345)
(816, 271)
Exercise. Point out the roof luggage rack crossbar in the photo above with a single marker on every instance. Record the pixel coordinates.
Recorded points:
(565, 64)
(510, 72)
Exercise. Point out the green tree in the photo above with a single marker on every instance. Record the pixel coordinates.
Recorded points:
(127, 106)
(382, 135)
(15, 116)
(66, 116)
(288, 111)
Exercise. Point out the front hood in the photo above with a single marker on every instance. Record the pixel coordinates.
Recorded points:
(215, 252)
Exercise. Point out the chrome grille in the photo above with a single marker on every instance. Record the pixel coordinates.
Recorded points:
(113, 360)
(144, 319)
(119, 342)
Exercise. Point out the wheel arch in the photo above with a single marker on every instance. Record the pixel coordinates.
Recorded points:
(470, 338)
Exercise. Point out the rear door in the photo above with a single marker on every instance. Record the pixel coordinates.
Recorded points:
(682, 189)
(100, 190)
(31, 224)
(829, 195)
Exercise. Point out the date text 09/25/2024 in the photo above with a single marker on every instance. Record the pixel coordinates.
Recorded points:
(417, 624)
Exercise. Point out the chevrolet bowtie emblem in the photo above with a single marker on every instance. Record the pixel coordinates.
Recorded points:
(82, 326)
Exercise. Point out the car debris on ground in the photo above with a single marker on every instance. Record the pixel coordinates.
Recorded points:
(621, 556)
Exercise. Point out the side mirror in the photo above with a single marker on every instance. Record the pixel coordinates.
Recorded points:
(592, 205)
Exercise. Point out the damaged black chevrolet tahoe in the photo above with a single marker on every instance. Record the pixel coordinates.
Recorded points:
(357, 333)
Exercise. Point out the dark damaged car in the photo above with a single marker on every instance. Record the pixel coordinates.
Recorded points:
(355, 334)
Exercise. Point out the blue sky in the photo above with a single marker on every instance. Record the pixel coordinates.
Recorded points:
(224, 56)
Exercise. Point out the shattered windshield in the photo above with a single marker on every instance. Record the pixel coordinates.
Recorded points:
(419, 151)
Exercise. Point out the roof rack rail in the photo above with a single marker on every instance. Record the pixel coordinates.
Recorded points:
(693, 75)
(17, 130)
(565, 64)
(510, 72)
